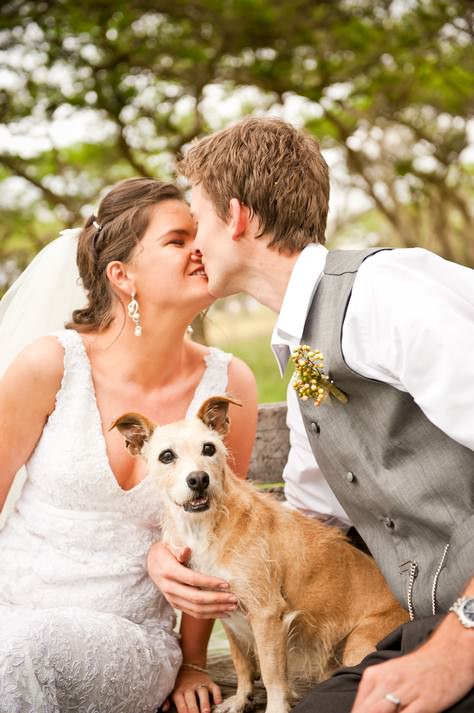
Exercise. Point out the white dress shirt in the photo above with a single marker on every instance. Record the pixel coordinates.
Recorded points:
(410, 324)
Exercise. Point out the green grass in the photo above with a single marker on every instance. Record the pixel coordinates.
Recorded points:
(247, 336)
(218, 643)
(258, 355)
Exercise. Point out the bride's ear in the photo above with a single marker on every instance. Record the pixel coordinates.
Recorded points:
(118, 276)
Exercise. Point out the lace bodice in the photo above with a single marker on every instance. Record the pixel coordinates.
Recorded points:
(81, 537)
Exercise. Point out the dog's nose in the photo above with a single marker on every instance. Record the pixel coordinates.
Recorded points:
(198, 480)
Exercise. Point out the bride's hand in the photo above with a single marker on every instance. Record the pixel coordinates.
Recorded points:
(196, 594)
(193, 691)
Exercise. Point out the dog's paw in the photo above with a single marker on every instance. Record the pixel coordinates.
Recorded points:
(235, 704)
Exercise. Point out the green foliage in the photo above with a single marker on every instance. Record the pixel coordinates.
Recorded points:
(388, 83)
(257, 353)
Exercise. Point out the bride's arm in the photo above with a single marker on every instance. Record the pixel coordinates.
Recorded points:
(27, 396)
(194, 687)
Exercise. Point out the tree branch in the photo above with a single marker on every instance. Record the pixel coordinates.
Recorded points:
(18, 168)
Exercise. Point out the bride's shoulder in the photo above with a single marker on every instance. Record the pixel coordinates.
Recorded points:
(44, 349)
(41, 361)
(29, 386)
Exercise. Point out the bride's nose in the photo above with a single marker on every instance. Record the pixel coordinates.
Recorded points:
(196, 255)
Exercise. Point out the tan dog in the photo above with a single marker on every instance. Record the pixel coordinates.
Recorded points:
(308, 599)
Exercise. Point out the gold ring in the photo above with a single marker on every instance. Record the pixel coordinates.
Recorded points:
(202, 685)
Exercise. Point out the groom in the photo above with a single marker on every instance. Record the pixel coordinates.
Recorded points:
(396, 328)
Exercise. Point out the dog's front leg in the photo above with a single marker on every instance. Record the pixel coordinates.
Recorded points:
(271, 639)
(244, 664)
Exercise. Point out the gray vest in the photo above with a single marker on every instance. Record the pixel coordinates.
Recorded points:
(407, 487)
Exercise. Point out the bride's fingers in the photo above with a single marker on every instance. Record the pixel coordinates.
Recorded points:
(165, 569)
(199, 601)
(191, 702)
(203, 695)
(184, 555)
(206, 611)
(180, 703)
(215, 692)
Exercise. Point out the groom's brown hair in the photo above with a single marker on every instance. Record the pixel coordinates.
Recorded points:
(271, 167)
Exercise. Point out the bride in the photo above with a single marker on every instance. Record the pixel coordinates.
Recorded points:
(83, 627)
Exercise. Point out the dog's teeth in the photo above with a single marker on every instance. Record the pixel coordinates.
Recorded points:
(197, 504)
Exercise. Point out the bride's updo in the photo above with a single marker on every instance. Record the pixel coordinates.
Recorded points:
(121, 221)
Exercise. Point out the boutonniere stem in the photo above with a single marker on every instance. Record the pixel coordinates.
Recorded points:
(310, 381)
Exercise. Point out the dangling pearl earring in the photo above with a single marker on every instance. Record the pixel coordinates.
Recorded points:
(134, 314)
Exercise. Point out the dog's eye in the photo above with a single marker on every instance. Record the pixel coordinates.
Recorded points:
(208, 449)
(167, 457)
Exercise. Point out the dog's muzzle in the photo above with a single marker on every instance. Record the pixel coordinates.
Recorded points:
(198, 482)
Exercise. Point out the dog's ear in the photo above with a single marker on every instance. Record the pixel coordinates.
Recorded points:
(213, 413)
(136, 429)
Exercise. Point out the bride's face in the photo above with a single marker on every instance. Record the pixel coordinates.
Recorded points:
(166, 271)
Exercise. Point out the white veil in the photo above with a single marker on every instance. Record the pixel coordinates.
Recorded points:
(40, 301)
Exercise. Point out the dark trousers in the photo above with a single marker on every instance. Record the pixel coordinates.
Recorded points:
(337, 694)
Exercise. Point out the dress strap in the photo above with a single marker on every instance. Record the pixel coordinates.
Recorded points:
(74, 350)
(77, 379)
(214, 381)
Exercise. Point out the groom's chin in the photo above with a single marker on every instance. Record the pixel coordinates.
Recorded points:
(218, 294)
(219, 285)
(215, 288)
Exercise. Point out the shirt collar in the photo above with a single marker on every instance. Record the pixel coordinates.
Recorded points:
(304, 279)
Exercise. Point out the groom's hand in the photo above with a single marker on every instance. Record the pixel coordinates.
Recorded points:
(430, 679)
(196, 594)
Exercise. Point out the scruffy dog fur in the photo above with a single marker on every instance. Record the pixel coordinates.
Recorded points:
(308, 600)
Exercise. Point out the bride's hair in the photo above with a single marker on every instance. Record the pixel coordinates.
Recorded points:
(122, 219)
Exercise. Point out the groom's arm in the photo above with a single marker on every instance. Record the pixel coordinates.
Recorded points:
(432, 678)
(409, 324)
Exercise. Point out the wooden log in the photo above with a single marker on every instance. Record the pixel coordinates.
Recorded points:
(222, 672)
(272, 443)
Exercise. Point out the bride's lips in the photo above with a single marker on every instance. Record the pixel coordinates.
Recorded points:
(199, 271)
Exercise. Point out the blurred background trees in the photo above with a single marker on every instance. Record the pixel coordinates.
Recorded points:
(92, 92)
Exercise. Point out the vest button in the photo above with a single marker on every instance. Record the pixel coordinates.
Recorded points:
(388, 522)
(350, 477)
(314, 427)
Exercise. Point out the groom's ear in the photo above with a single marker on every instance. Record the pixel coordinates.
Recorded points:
(239, 217)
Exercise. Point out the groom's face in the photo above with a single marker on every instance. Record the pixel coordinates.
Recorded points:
(213, 239)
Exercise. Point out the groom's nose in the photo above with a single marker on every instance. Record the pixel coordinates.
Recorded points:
(196, 244)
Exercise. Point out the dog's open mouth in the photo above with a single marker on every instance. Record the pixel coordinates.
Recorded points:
(197, 504)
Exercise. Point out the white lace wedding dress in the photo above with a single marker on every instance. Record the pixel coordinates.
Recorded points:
(82, 627)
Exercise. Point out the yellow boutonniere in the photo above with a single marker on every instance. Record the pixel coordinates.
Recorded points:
(310, 381)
